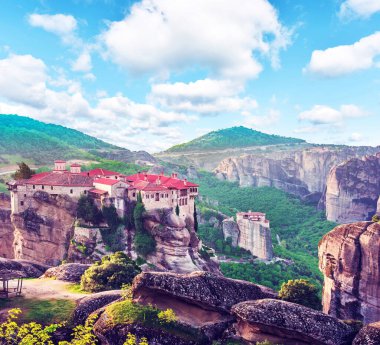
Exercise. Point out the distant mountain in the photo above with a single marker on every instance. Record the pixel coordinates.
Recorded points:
(230, 138)
(22, 138)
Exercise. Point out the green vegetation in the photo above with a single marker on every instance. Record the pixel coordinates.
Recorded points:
(144, 242)
(233, 137)
(76, 288)
(111, 273)
(376, 218)
(120, 167)
(88, 211)
(41, 311)
(3, 187)
(300, 291)
(299, 227)
(113, 237)
(38, 142)
(23, 172)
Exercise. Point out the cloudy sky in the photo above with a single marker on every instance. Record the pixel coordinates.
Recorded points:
(149, 74)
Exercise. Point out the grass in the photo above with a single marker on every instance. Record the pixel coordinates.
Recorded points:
(3, 188)
(41, 311)
(75, 288)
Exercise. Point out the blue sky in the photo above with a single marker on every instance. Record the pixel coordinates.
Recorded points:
(149, 74)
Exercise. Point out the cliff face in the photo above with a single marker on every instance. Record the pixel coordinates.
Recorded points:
(6, 228)
(349, 257)
(353, 190)
(177, 245)
(43, 231)
(300, 172)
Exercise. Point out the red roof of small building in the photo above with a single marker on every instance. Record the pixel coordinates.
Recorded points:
(102, 172)
(75, 165)
(59, 161)
(106, 181)
(97, 191)
(64, 178)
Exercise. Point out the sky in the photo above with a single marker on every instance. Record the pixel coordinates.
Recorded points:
(149, 74)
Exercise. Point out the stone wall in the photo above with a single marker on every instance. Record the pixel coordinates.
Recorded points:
(6, 228)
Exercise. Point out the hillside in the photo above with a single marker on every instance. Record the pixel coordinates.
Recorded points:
(234, 137)
(23, 138)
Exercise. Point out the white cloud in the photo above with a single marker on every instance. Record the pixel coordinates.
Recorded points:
(345, 59)
(356, 137)
(225, 37)
(359, 8)
(82, 63)
(322, 114)
(59, 24)
(23, 80)
(271, 118)
(205, 97)
(27, 89)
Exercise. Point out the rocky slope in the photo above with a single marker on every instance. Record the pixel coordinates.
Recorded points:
(43, 232)
(6, 228)
(300, 172)
(178, 247)
(349, 258)
(353, 190)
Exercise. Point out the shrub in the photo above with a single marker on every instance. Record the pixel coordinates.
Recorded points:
(376, 218)
(144, 243)
(23, 172)
(300, 291)
(110, 273)
(88, 211)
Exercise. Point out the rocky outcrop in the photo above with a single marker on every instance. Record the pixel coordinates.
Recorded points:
(87, 305)
(368, 335)
(353, 190)
(289, 323)
(43, 231)
(31, 269)
(349, 258)
(231, 230)
(177, 245)
(300, 172)
(67, 272)
(6, 227)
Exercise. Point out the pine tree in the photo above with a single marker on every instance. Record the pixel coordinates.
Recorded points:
(23, 172)
(195, 219)
(177, 210)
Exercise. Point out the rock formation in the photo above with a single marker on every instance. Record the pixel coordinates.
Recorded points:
(289, 323)
(300, 172)
(353, 190)
(67, 272)
(231, 230)
(368, 335)
(43, 232)
(6, 228)
(177, 245)
(31, 269)
(349, 258)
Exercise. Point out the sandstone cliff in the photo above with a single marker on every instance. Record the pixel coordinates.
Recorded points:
(178, 247)
(349, 258)
(300, 172)
(6, 228)
(353, 190)
(43, 232)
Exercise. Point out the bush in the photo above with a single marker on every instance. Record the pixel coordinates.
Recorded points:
(88, 211)
(111, 273)
(144, 243)
(300, 291)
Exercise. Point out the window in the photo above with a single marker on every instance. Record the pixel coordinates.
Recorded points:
(85, 192)
(24, 195)
(22, 203)
(71, 191)
(51, 187)
(43, 187)
(134, 194)
(34, 187)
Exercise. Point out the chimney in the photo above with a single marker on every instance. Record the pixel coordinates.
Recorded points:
(174, 175)
(75, 168)
(185, 181)
(158, 181)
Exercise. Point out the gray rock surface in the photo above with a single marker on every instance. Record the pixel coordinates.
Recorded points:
(71, 272)
(31, 269)
(290, 323)
(368, 335)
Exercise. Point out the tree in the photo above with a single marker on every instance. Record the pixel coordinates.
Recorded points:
(111, 273)
(300, 291)
(177, 210)
(23, 172)
(195, 219)
(88, 211)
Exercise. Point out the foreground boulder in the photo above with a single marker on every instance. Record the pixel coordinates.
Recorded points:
(67, 272)
(289, 323)
(202, 289)
(368, 335)
(349, 258)
(31, 269)
(87, 305)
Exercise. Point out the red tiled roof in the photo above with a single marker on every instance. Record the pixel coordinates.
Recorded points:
(159, 182)
(76, 165)
(254, 214)
(64, 178)
(59, 161)
(102, 172)
(106, 181)
(97, 191)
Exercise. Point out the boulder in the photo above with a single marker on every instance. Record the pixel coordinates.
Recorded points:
(349, 258)
(368, 335)
(202, 289)
(30, 268)
(67, 272)
(289, 323)
(89, 304)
